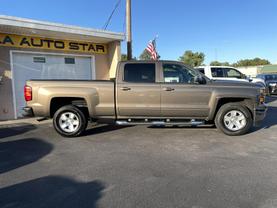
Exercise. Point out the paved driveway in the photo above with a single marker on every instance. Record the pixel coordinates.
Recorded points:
(138, 167)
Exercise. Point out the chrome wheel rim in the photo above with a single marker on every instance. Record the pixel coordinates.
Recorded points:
(69, 122)
(234, 120)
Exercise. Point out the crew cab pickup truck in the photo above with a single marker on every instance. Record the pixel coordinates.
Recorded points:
(151, 93)
(227, 73)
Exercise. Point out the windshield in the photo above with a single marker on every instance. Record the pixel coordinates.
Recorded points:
(271, 77)
(199, 71)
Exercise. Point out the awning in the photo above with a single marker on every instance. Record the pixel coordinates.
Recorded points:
(22, 26)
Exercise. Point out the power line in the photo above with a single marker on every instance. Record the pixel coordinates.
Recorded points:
(110, 17)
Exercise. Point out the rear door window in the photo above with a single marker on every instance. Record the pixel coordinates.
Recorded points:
(217, 72)
(140, 73)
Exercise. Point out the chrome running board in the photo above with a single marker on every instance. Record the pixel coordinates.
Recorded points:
(159, 123)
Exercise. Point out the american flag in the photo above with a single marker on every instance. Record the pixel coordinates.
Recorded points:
(151, 49)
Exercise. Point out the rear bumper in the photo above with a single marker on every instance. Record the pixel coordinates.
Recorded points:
(28, 112)
(259, 114)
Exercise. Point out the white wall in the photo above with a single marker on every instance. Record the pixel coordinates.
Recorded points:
(249, 71)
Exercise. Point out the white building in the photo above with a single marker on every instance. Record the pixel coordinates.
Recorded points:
(253, 71)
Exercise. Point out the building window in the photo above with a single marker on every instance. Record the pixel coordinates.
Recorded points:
(69, 60)
(39, 59)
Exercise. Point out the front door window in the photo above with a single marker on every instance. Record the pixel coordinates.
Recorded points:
(174, 73)
(232, 73)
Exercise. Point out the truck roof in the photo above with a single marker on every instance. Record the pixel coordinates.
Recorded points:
(216, 66)
(151, 61)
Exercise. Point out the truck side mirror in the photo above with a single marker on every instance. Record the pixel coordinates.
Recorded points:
(247, 77)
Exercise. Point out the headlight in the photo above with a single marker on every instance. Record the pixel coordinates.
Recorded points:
(262, 95)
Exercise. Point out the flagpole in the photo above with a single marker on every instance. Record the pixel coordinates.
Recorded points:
(155, 40)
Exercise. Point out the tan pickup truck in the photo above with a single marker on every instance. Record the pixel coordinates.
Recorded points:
(151, 93)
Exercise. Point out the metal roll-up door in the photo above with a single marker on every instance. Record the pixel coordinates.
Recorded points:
(26, 66)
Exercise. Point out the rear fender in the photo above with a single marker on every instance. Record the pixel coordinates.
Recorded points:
(90, 95)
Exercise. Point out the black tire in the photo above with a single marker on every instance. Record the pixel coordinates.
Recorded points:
(227, 108)
(80, 116)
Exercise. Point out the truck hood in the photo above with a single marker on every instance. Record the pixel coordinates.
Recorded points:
(230, 83)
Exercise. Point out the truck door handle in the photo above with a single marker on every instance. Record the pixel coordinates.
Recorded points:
(125, 88)
(168, 89)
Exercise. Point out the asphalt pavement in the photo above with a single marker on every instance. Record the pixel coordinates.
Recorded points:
(138, 166)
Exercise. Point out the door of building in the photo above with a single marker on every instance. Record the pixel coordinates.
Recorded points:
(26, 66)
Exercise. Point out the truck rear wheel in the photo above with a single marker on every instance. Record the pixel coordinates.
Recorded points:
(69, 121)
(234, 119)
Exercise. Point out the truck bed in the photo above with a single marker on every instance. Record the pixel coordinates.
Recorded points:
(98, 95)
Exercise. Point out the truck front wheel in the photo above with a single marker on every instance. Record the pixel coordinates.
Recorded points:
(234, 119)
(69, 121)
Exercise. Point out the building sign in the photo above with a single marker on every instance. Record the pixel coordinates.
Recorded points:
(20, 41)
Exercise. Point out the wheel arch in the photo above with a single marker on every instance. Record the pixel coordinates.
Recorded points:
(58, 102)
(247, 102)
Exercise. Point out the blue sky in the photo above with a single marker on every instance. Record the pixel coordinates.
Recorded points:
(226, 30)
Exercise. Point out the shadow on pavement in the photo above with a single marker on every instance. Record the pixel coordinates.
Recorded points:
(102, 129)
(52, 191)
(16, 130)
(271, 118)
(15, 154)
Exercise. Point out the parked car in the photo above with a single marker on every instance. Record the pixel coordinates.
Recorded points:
(271, 82)
(152, 93)
(227, 73)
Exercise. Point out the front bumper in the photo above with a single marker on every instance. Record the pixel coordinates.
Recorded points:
(28, 112)
(259, 114)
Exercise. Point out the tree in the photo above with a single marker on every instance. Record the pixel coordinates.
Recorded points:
(145, 55)
(251, 62)
(123, 57)
(217, 63)
(192, 59)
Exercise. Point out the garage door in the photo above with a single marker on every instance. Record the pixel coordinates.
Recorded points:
(28, 66)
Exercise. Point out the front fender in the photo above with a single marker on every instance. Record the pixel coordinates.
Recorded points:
(221, 99)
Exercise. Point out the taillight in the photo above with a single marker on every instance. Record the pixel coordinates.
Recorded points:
(27, 93)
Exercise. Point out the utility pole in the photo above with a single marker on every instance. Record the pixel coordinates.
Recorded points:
(129, 29)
